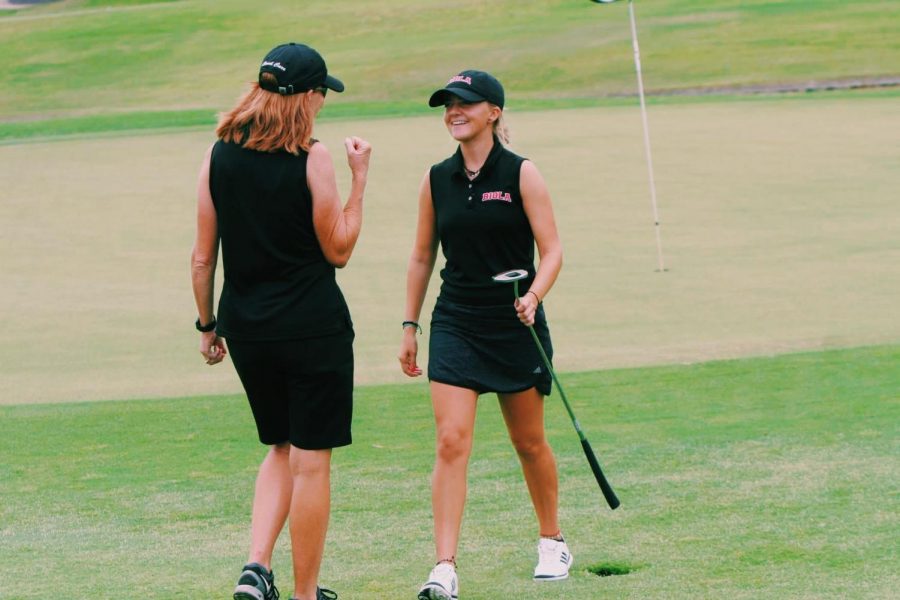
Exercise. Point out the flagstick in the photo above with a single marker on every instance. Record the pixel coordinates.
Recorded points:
(637, 67)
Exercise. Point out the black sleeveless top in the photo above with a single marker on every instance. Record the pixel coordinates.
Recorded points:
(482, 226)
(278, 285)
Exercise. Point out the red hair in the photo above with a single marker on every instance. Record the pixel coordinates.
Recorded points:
(269, 122)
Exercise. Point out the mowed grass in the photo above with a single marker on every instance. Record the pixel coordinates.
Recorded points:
(770, 477)
(779, 229)
(81, 65)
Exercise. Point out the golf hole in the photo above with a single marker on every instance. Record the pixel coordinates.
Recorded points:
(609, 569)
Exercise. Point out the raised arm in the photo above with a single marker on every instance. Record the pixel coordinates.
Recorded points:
(337, 227)
(418, 272)
(539, 209)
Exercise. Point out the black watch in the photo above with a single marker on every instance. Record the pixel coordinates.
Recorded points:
(211, 326)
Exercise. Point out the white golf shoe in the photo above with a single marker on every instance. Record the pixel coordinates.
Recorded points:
(554, 560)
(442, 584)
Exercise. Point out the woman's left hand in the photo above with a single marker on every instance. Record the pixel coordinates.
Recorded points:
(212, 347)
(526, 306)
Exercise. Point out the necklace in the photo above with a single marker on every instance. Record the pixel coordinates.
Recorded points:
(472, 174)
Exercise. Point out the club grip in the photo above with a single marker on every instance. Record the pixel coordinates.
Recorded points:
(607, 490)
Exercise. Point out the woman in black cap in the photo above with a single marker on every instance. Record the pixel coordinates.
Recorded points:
(486, 207)
(267, 191)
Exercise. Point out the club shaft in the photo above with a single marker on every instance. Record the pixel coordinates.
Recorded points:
(562, 394)
(549, 366)
(607, 490)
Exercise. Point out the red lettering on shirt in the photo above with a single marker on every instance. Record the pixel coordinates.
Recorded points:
(501, 196)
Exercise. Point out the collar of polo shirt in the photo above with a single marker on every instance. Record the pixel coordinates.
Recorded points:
(493, 155)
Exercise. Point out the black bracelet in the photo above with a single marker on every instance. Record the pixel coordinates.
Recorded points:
(211, 326)
(412, 324)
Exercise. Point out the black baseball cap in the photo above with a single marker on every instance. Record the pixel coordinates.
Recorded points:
(471, 86)
(298, 68)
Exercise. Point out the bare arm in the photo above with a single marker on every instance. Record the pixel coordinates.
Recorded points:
(539, 210)
(419, 269)
(204, 258)
(337, 228)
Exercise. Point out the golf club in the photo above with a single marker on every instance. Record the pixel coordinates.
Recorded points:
(640, 78)
(514, 276)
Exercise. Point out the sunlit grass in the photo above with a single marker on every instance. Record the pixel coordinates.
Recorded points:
(740, 479)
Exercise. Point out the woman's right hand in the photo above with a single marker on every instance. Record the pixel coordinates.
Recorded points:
(409, 348)
(212, 348)
(358, 152)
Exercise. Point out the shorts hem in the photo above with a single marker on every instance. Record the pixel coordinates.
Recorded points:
(328, 446)
(278, 443)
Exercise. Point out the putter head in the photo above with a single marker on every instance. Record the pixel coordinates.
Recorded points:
(509, 276)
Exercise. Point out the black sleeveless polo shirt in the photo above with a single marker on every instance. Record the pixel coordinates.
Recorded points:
(277, 284)
(482, 227)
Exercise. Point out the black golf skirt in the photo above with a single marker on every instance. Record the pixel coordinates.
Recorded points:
(487, 349)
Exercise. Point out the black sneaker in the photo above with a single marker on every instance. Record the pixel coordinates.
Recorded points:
(323, 594)
(256, 583)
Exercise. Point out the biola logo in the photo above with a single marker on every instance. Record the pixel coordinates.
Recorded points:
(277, 65)
(461, 78)
(502, 196)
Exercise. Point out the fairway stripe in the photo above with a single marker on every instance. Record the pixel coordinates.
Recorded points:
(95, 11)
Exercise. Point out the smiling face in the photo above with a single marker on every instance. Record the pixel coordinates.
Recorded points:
(468, 120)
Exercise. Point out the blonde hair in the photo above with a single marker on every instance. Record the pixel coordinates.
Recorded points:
(501, 130)
(268, 121)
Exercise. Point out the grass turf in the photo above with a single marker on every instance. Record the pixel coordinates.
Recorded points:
(770, 477)
(779, 228)
(114, 65)
(153, 122)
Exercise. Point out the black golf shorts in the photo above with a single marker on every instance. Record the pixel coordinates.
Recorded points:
(300, 391)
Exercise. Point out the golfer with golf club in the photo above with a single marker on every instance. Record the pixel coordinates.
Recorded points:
(487, 208)
(267, 191)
